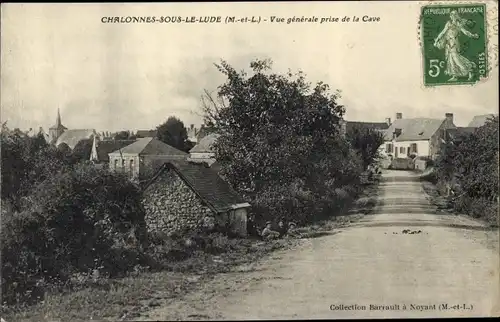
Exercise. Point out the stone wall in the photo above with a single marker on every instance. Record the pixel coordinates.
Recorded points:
(402, 164)
(171, 206)
(420, 164)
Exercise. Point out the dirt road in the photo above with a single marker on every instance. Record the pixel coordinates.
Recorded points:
(370, 269)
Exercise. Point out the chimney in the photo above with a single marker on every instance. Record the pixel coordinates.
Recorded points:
(388, 121)
(399, 116)
(449, 118)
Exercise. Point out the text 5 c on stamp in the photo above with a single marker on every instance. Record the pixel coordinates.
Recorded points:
(454, 44)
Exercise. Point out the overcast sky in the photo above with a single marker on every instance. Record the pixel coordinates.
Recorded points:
(133, 76)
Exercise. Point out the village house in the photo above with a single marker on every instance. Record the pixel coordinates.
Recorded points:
(480, 120)
(102, 147)
(203, 151)
(182, 195)
(141, 159)
(416, 137)
(60, 135)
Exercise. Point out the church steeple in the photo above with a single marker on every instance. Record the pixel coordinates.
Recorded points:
(58, 120)
(58, 129)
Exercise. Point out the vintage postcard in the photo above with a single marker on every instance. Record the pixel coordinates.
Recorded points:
(249, 160)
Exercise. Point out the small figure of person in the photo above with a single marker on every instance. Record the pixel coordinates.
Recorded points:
(268, 233)
(282, 228)
(292, 229)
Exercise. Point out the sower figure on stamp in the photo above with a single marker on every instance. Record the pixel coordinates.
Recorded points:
(456, 64)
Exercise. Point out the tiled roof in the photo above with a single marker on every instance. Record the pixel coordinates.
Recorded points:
(413, 129)
(146, 133)
(72, 137)
(480, 120)
(371, 125)
(206, 183)
(150, 146)
(205, 144)
(108, 146)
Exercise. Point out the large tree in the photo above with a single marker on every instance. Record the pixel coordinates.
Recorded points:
(366, 142)
(279, 133)
(174, 133)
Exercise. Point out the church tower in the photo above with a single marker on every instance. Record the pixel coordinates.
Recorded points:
(56, 130)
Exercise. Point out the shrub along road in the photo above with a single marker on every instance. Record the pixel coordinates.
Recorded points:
(403, 260)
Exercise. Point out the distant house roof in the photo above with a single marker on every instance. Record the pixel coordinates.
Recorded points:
(72, 137)
(456, 133)
(413, 129)
(42, 132)
(206, 183)
(108, 146)
(203, 131)
(146, 133)
(150, 146)
(371, 125)
(205, 144)
(480, 120)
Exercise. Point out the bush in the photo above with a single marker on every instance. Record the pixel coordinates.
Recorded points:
(82, 220)
(470, 165)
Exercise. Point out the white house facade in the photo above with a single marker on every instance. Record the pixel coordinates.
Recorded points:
(416, 137)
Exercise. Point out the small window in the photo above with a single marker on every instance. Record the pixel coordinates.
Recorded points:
(388, 148)
(413, 148)
(116, 164)
(402, 149)
(421, 133)
(123, 165)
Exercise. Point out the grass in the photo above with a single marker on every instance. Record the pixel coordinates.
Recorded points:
(486, 214)
(129, 297)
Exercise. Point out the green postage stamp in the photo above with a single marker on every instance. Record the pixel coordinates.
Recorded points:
(453, 41)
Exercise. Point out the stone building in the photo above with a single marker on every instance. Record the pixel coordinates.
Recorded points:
(182, 195)
(141, 159)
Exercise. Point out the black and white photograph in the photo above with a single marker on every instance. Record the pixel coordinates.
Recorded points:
(279, 160)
